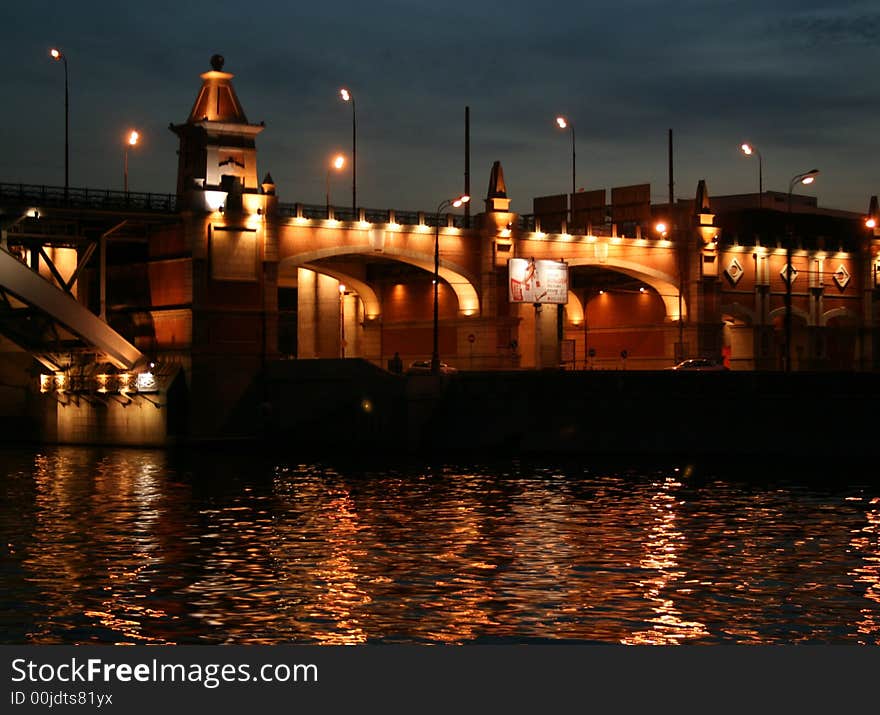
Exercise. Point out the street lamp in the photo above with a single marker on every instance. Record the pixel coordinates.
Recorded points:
(750, 150)
(808, 177)
(56, 55)
(349, 97)
(342, 320)
(435, 354)
(564, 123)
(663, 230)
(337, 163)
(133, 137)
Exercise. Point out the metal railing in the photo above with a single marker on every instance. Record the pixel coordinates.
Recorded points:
(345, 213)
(42, 195)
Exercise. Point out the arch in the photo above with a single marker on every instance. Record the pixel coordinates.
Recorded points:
(574, 309)
(662, 283)
(780, 313)
(458, 279)
(738, 310)
(839, 313)
(372, 306)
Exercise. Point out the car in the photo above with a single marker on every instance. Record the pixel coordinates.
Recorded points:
(699, 364)
(423, 367)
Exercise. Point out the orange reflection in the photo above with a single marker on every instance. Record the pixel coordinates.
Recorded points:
(662, 546)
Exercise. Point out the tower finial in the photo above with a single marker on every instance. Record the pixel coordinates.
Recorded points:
(217, 63)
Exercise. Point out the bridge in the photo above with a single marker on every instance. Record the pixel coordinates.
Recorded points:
(221, 278)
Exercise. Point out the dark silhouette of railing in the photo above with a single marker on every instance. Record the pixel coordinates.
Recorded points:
(55, 196)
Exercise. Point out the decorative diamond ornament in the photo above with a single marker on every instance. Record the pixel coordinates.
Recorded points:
(841, 276)
(734, 271)
(784, 274)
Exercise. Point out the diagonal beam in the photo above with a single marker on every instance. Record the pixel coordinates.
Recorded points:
(33, 289)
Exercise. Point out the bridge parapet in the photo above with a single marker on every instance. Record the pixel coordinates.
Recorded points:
(38, 195)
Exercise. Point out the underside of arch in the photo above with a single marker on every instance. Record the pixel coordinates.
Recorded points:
(461, 283)
(662, 283)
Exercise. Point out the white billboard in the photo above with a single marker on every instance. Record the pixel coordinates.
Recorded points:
(541, 281)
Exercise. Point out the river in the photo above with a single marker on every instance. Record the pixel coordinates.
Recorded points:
(113, 546)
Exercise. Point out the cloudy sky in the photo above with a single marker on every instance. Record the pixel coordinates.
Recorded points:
(798, 79)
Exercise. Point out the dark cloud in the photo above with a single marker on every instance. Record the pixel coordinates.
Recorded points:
(797, 78)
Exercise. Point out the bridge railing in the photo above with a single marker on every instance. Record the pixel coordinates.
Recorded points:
(42, 195)
(345, 213)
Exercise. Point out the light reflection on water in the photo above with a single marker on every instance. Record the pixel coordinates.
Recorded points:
(128, 546)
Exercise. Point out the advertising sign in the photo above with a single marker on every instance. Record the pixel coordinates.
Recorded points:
(532, 281)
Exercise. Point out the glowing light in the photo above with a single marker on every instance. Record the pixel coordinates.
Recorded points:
(215, 199)
(601, 292)
(46, 382)
(60, 381)
(808, 179)
(338, 161)
(871, 222)
(133, 137)
(146, 382)
(102, 382)
(341, 288)
(367, 406)
(747, 149)
(660, 227)
(345, 94)
(463, 199)
(55, 53)
(562, 122)
(642, 289)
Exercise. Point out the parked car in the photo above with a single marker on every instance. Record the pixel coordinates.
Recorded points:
(705, 364)
(423, 367)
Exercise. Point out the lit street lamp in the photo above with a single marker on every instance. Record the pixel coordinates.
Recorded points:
(133, 137)
(435, 354)
(56, 54)
(663, 231)
(338, 163)
(563, 123)
(808, 177)
(342, 320)
(750, 150)
(349, 97)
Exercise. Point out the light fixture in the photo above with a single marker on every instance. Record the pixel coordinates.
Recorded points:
(563, 123)
(349, 97)
(56, 54)
(435, 352)
(750, 150)
(132, 140)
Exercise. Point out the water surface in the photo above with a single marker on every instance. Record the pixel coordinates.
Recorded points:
(131, 546)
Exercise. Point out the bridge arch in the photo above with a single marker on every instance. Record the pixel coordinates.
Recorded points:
(662, 283)
(795, 311)
(461, 282)
(839, 313)
(372, 305)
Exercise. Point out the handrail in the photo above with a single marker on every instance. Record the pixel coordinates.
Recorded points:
(44, 195)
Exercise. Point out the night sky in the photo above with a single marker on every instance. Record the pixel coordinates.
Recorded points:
(798, 79)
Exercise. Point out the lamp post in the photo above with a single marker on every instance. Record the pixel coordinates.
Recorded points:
(349, 97)
(56, 55)
(808, 177)
(750, 150)
(133, 138)
(338, 163)
(664, 231)
(342, 320)
(435, 353)
(564, 123)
